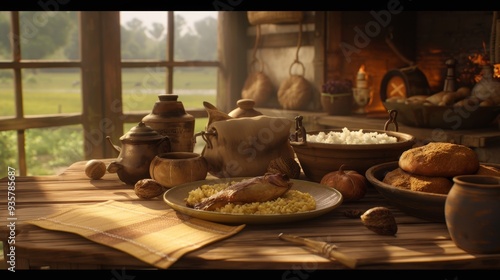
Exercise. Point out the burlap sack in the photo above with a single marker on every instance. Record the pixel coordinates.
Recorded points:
(243, 147)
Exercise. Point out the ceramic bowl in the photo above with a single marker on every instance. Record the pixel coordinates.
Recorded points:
(427, 206)
(318, 159)
(175, 168)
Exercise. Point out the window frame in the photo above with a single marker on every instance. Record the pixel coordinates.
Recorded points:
(102, 114)
(100, 67)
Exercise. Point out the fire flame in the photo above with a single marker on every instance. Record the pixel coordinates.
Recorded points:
(478, 59)
(362, 69)
(481, 60)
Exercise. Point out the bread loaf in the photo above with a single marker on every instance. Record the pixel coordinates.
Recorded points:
(401, 179)
(439, 159)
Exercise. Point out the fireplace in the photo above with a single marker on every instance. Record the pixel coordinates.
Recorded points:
(421, 40)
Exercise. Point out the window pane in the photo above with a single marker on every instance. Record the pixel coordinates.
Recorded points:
(7, 107)
(143, 35)
(5, 47)
(141, 86)
(195, 85)
(195, 36)
(51, 150)
(8, 150)
(52, 91)
(39, 39)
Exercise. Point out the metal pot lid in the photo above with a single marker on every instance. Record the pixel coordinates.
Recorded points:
(141, 132)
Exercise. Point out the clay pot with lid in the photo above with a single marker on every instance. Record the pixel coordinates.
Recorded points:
(245, 109)
(169, 118)
(139, 147)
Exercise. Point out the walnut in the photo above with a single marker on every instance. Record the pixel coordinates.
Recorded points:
(95, 169)
(380, 220)
(286, 166)
(148, 188)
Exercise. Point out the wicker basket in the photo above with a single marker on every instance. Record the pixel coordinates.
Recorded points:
(256, 18)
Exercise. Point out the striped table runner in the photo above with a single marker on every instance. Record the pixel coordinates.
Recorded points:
(157, 237)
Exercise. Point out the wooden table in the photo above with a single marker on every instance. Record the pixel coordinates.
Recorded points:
(419, 244)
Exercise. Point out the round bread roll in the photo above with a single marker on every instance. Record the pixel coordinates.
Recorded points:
(401, 179)
(439, 159)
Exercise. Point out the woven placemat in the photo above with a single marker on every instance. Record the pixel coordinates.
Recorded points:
(157, 237)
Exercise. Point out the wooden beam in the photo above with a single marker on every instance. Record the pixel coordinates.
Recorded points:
(39, 121)
(194, 63)
(283, 40)
(232, 54)
(92, 84)
(112, 109)
(38, 64)
(319, 57)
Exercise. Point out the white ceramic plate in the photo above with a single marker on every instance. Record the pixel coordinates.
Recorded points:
(326, 198)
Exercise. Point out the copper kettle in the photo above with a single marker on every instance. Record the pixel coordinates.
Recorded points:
(139, 147)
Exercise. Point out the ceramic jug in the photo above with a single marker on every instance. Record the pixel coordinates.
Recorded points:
(139, 147)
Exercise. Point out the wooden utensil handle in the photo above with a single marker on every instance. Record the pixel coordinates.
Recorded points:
(328, 250)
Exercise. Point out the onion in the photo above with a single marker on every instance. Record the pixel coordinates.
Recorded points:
(349, 183)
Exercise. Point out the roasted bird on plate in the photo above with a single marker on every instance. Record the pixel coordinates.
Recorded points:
(257, 189)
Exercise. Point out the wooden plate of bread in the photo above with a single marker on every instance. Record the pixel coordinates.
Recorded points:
(460, 109)
(419, 181)
(445, 117)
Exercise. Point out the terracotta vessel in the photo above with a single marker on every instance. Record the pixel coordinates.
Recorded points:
(139, 146)
(175, 168)
(169, 118)
(472, 212)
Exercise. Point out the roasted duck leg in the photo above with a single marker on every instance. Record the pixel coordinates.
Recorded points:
(257, 189)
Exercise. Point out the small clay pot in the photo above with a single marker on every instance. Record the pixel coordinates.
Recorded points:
(175, 168)
(340, 104)
(472, 213)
